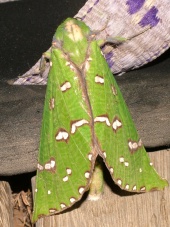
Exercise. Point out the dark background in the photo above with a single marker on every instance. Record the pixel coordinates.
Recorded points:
(26, 31)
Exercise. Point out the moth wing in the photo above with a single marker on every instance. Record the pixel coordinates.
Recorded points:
(65, 155)
(119, 143)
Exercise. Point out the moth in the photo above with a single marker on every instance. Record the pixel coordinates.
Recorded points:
(85, 117)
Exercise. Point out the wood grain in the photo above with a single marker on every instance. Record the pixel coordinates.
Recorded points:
(6, 214)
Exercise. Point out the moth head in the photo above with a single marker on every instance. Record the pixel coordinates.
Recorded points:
(72, 29)
(72, 38)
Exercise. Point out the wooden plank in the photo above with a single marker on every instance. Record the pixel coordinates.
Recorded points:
(6, 214)
(120, 208)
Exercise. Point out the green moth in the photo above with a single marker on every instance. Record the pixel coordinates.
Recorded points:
(85, 116)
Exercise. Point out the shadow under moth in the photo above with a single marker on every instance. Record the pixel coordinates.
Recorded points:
(85, 116)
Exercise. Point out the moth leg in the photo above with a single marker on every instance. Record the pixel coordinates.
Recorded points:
(96, 186)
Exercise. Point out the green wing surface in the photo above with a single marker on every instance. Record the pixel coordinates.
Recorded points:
(64, 165)
(85, 116)
(116, 135)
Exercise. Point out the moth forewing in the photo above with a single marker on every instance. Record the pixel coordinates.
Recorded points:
(66, 153)
(122, 149)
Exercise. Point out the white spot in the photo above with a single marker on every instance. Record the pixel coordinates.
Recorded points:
(114, 90)
(74, 31)
(65, 178)
(52, 163)
(119, 182)
(111, 170)
(40, 167)
(87, 175)
(70, 65)
(140, 143)
(143, 189)
(69, 171)
(52, 211)
(51, 63)
(104, 154)
(81, 190)
(102, 119)
(130, 145)
(87, 65)
(151, 164)
(121, 159)
(47, 166)
(89, 59)
(99, 79)
(72, 200)
(134, 145)
(140, 170)
(101, 53)
(65, 86)
(62, 205)
(126, 164)
(49, 192)
(78, 124)
(127, 187)
(116, 124)
(51, 103)
(36, 190)
(134, 188)
(62, 135)
(90, 156)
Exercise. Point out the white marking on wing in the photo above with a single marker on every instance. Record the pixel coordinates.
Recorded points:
(81, 190)
(121, 159)
(65, 86)
(62, 135)
(69, 171)
(77, 124)
(102, 119)
(65, 179)
(116, 124)
(99, 79)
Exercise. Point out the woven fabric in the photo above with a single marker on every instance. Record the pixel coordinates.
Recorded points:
(127, 19)
(145, 23)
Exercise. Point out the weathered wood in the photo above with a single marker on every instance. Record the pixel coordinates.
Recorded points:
(120, 208)
(6, 214)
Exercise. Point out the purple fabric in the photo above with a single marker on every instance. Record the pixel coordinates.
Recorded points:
(166, 46)
(83, 17)
(108, 57)
(28, 79)
(90, 9)
(150, 18)
(110, 63)
(97, 1)
(134, 5)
